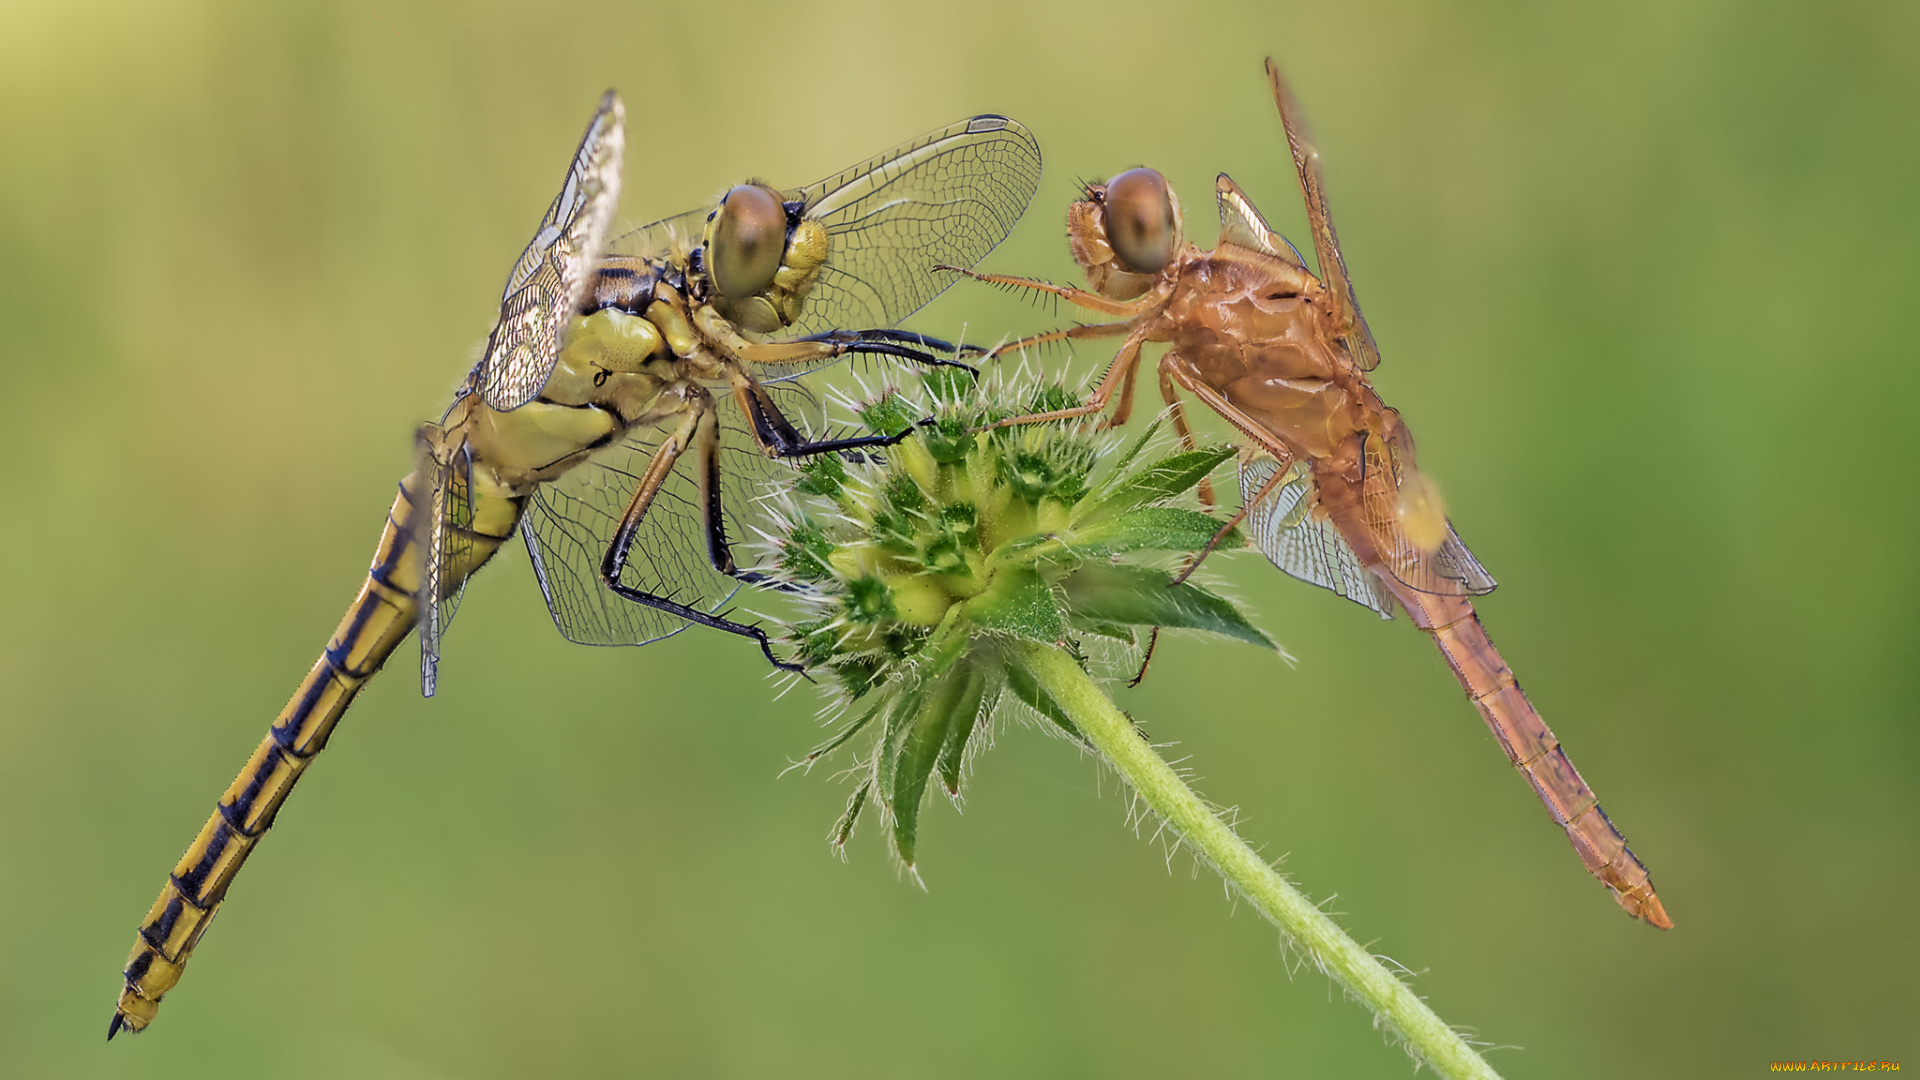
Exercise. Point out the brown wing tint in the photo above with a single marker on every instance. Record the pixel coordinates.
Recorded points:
(1447, 570)
(1326, 244)
(554, 272)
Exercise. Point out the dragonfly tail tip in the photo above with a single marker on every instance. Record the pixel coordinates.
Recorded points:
(1656, 913)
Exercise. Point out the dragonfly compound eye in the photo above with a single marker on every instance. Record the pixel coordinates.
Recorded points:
(1140, 220)
(748, 238)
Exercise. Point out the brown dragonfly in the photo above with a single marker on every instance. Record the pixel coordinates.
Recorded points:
(1330, 490)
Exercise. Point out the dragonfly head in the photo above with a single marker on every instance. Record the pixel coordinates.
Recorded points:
(762, 256)
(1125, 232)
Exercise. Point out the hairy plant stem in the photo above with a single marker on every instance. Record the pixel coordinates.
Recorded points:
(1394, 1003)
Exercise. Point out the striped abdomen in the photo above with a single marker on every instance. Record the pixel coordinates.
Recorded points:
(380, 618)
(1533, 748)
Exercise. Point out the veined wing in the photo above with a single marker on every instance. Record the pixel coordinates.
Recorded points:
(668, 240)
(1447, 570)
(948, 197)
(447, 551)
(570, 523)
(1242, 224)
(1326, 243)
(556, 269)
(1309, 547)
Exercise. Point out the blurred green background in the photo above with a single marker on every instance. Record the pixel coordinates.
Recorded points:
(1643, 274)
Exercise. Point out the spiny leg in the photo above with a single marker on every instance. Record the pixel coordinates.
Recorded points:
(1266, 491)
(1175, 369)
(818, 349)
(1127, 309)
(1117, 373)
(1153, 638)
(777, 436)
(1076, 332)
(924, 342)
(1123, 409)
(1081, 332)
(1187, 441)
(698, 418)
(833, 345)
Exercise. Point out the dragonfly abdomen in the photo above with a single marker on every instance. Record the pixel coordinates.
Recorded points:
(1533, 748)
(380, 617)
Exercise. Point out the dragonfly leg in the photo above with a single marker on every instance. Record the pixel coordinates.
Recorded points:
(1123, 409)
(899, 344)
(1175, 368)
(777, 436)
(928, 346)
(1266, 491)
(1076, 332)
(698, 428)
(1092, 301)
(1187, 442)
(821, 348)
(1118, 373)
(1153, 638)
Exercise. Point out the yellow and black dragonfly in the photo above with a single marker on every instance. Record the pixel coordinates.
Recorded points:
(632, 400)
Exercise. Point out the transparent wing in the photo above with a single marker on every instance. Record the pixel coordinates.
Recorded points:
(554, 272)
(1326, 243)
(1242, 224)
(447, 556)
(570, 523)
(1448, 570)
(1308, 546)
(669, 239)
(947, 197)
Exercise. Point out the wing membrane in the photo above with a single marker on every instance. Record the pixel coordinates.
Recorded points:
(1285, 529)
(669, 239)
(571, 521)
(447, 555)
(1448, 570)
(1242, 224)
(556, 269)
(1326, 243)
(948, 197)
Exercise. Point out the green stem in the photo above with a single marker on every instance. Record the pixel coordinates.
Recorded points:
(1392, 1001)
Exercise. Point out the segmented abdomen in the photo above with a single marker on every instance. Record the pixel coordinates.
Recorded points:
(379, 619)
(1533, 748)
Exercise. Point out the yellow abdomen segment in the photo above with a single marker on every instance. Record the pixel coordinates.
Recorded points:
(379, 619)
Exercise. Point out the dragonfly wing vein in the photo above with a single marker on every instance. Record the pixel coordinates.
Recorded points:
(570, 524)
(1286, 530)
(1447, 570)
(948, 197)
(553, 273)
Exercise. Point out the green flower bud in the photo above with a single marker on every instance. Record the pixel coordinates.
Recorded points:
(934, 553)
(868, 600)
(823, 474)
